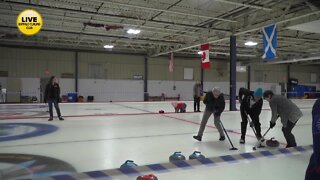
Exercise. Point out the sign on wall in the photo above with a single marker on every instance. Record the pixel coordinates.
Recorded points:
(313, 78)
(188, 73)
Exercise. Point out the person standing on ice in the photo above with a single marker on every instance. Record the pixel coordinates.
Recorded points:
(196, 96)
(287, 111)
(313, 170)
(250, 104)
(215, 104)
(52, 97)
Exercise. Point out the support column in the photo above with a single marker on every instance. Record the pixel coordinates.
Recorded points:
(145, 81)
(249, 77)
(201, 78)
(288, 80)
(76, 73)
(233, 73)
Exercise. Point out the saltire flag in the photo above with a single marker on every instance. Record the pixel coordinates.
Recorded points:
(269, 42)
(171, 62)
(205, 56)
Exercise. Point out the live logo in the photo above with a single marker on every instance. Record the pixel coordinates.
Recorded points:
(29, 19)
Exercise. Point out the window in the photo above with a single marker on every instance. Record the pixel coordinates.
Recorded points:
(95, 71)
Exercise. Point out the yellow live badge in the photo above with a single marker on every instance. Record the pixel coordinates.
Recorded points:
(29, 22)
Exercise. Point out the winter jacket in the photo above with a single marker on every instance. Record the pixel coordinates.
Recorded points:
(197, 90)
(213, 104)
(247, 102)
(313, 170)
(52, 92)
(285, 108)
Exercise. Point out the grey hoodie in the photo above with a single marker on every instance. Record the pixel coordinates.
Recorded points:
(285, 108)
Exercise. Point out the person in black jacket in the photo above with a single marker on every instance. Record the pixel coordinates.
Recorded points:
(196, 96)
(215, 104)
(52, 96)
(250, 104)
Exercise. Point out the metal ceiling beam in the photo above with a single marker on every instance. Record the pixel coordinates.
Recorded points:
(101, 35)
(317, 58)
(90, 13)
(169, 11)
(65, 48)
(239, 33)
(225, 53)
(245, 5)
(160, 30)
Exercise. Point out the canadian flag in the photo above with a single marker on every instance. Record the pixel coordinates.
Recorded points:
(205, 56)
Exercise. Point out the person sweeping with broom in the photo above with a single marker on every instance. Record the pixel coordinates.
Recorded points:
(215, 104)
(287, 111)
(250, 104)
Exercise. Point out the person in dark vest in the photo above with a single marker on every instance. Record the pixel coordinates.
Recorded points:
(313, 170)
(287, 111)
(215, 104)
(250, 104)
(196, 96)
(52, 97)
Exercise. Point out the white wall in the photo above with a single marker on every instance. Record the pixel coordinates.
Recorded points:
(184, 88)
(67, 86)
(112, 90)
(275, 87)
(224, 86)
(132, 90)
(30, 87)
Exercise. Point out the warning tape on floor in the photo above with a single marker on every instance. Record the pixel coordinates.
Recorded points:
(181, 165)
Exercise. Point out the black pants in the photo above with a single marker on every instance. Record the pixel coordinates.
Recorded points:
(291, 141)
(196, 103)
(55, 102)
(244, 123)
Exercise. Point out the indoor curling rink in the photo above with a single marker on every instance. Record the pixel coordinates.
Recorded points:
(96, 138)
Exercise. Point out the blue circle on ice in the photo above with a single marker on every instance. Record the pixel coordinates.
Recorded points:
(16, 131)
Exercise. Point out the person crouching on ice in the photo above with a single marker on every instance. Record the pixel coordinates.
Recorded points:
(179, 107)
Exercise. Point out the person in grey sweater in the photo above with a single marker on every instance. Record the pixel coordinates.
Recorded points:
(215, 104)
(287, 111)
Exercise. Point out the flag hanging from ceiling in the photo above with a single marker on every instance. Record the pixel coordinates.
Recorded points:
(205, 56)
(171, 62)
(269, 42)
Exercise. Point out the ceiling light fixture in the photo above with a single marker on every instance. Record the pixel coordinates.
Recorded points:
(133, 31)
(250, 43)
(108, 46)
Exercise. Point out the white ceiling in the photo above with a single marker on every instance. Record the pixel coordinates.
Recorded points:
(311, 27)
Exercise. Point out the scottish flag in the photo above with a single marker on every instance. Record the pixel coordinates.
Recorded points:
(269, 42)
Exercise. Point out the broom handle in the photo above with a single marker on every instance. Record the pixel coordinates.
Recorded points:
(266, 132)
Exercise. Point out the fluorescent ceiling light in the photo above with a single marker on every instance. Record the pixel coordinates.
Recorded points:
(108, 46)
(133, 31)
(199, 52)
(250, 43)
